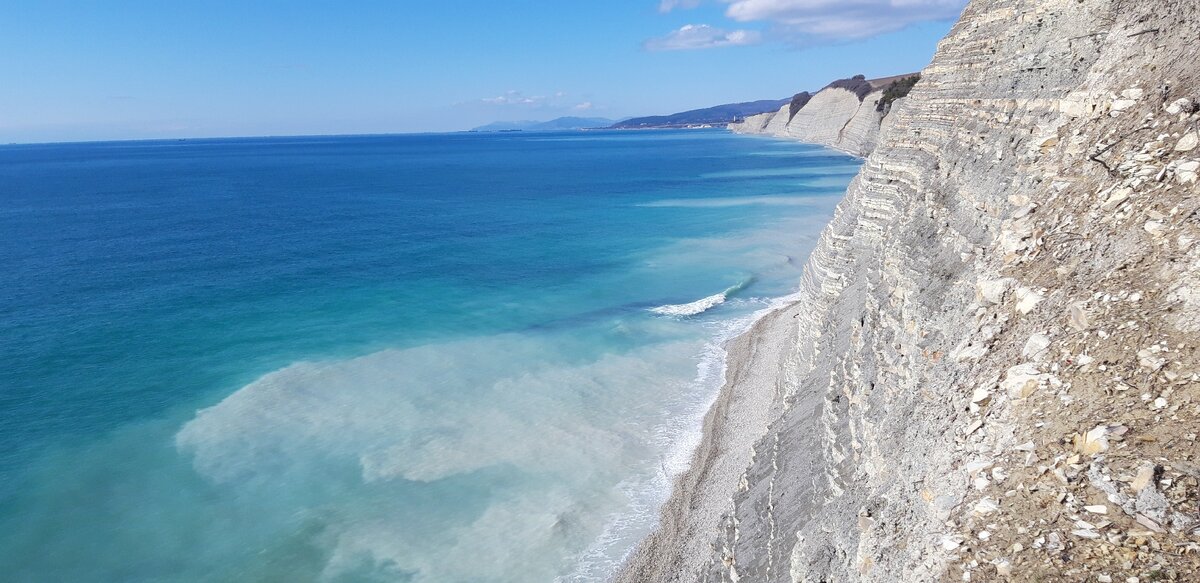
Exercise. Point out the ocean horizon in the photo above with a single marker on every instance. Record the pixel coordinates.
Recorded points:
(421, 357)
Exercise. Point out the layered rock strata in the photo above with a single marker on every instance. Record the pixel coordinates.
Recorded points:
(992, 372)
(845, 115)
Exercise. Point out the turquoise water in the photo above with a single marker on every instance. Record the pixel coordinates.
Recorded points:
(408, 358)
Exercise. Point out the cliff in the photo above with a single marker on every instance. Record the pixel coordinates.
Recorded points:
(845, 115)
(992, 370)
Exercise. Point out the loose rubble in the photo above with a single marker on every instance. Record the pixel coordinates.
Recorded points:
(1119, 499)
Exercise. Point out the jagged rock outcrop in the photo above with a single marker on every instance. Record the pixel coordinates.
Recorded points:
(992, 372)
(845, 115)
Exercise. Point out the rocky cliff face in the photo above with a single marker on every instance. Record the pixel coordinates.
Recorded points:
(837, 116)
(993, 370)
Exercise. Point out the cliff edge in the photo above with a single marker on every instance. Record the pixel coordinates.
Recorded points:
(992, 372)
(847, 115)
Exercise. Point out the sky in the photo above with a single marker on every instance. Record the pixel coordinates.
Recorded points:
(81, 70)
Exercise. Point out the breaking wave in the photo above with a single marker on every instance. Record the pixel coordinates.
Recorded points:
(701, 305)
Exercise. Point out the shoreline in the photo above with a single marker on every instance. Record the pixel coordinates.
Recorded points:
(855, 155)
(761, 370)
(755, 362)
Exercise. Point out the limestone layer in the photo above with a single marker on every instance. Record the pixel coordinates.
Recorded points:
(992, 371)
(834, 117)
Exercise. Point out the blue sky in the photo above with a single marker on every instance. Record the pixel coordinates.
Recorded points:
(127, 69)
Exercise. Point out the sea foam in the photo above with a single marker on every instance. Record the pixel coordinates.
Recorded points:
(551, 433)
(677, 439)
(701, 305)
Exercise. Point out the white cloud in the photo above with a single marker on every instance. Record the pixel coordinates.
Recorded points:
(702, 36)
(808, 20)
(669, 5)
(514, 98)
(560, 102)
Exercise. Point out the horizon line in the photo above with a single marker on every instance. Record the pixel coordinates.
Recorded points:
(368, 135)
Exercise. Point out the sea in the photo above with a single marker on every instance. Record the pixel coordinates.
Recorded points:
(409, 358)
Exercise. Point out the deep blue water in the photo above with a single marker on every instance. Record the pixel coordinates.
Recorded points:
(400, 358)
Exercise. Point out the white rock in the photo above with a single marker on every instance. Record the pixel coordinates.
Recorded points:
(969, 350)
(1077, 316)
(979, 396)
(1097, 509)
(1055, 541)
(1027, 300)
(1036, 348)
(1004, 567)
(1145, 477)
(1088, 534)
(977, 466)
(1133, 93)
(1155, 228)
(952, 541)
(1123, 104)
(1115, 199)
(1022, 380)
(1149, 523)
(1179, 106)
(1187, 172)
(1147, 359)
(992, 291)
(1072, 108)
(1159, 404)
(1093, 442)
(1015, 234)
(985, 507)
(1188, 142)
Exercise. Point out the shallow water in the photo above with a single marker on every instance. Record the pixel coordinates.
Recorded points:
(406, 358)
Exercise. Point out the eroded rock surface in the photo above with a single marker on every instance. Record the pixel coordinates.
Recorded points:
(993, 372)
(846, 115)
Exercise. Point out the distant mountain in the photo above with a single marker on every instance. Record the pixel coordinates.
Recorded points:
(562, 123)
(720, 115)
(505, 126)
